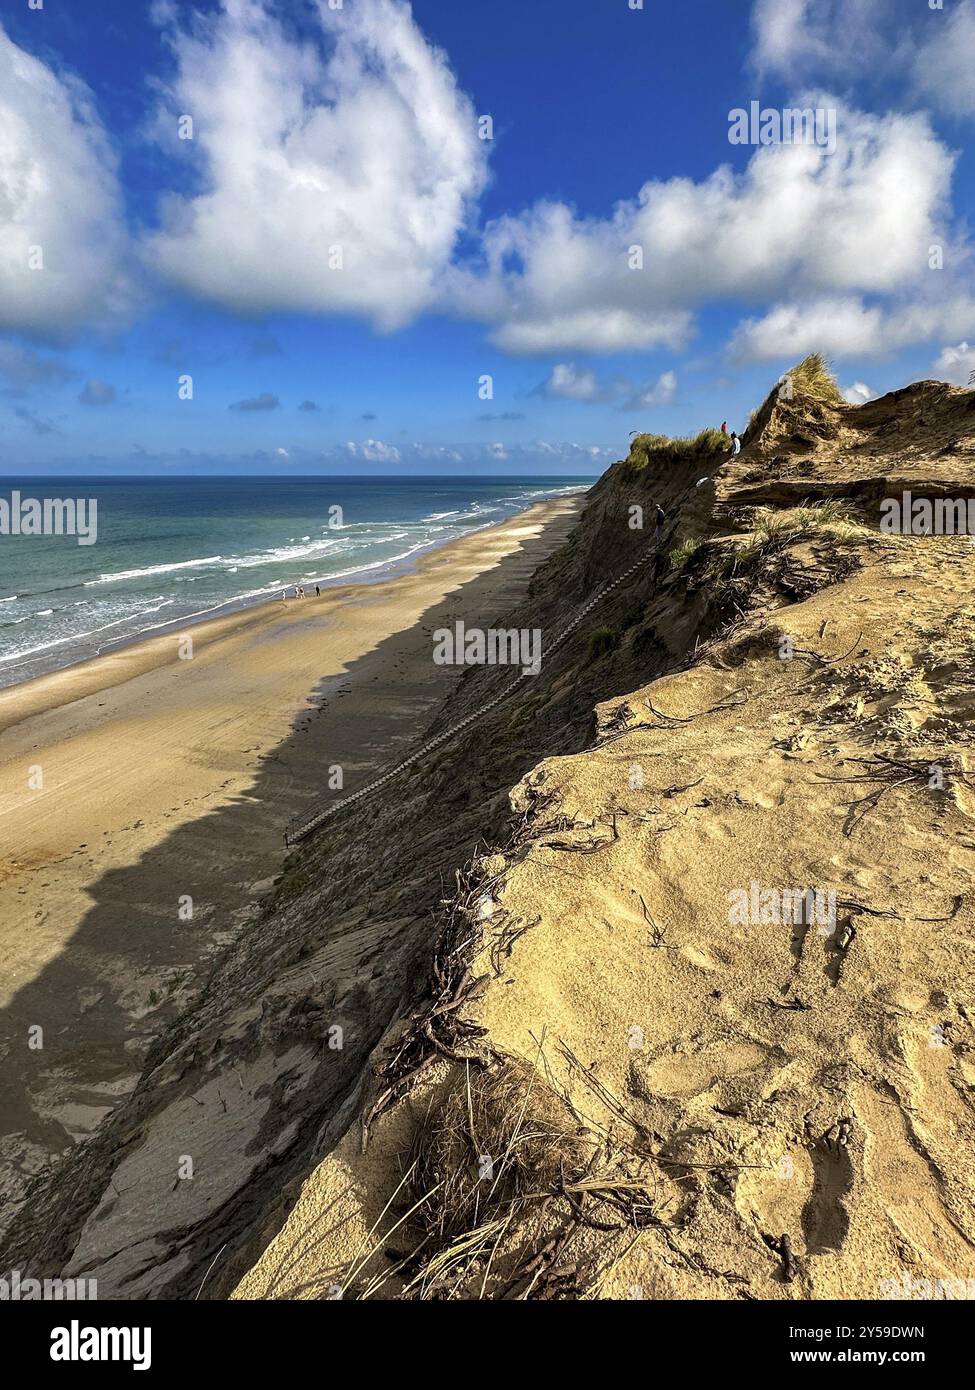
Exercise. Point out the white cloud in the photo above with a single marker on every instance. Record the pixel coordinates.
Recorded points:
(839, 327)
(661, 392)
(59, 194)
(371, 148)
(944, 68)
(373, 451)
(473, 458)
(929, 51)
(798, 223)
(817, 36)
(859, 393)
(568, 382)
(955, 364)
(849, 327)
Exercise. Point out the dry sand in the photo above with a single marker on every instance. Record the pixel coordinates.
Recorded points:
(789, 1079)
(751, 1106)
(140, 751)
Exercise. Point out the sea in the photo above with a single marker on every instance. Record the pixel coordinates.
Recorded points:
(174, 550)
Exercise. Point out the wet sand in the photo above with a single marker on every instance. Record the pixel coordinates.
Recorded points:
(121, 873)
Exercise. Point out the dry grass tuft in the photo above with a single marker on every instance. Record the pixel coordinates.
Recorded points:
(499, 1140)
(788, 524)
(813, 379)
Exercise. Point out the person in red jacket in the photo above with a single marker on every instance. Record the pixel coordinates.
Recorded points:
(724, 426)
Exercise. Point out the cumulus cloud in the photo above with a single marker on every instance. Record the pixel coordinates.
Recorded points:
(945, 63)
(850, 327)
(62, 241)
(929, 51)
(568, 382)
(335, 176)
(373, 451)
(818, 36)
(661, 392)
(859, 393)
(955, 364)
(797, 222)
(265, 401)
(97, 392)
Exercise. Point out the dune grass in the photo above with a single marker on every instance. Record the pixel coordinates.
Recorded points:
(830, 516)
(680, 555)
(813, 379)
(647, 449)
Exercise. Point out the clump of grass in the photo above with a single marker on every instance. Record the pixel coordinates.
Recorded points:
(601, 642)
(813, 379)
(647, 449)
(500, 1139)
(680, 555)
(795, 521)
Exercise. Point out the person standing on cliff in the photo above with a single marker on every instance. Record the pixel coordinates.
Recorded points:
(724, 426)
(661, 518)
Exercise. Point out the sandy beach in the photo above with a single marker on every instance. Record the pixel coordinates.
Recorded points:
(122, 873)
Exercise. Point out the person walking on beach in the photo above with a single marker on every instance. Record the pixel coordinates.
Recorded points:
(284, 596)
(318, 591)
(661, 517)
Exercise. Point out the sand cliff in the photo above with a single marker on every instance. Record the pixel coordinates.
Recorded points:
(582, 1054)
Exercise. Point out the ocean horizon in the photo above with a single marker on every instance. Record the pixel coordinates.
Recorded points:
(177, 550)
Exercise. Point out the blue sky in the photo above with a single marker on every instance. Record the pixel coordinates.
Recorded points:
(354, 127)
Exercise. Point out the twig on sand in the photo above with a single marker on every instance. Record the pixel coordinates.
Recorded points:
(827, 660)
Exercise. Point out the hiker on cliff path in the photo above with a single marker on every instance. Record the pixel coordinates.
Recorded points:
(661, 517)
(735, 445)
(724, 426)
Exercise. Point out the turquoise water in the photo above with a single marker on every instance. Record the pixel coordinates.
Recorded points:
(169, 550)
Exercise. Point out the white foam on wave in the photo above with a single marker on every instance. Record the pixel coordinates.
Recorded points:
(153, 569)
(18, 658)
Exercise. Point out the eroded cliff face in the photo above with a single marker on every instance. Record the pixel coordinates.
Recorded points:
(586, 974)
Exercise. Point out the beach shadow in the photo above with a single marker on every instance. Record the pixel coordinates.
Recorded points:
(135, 971)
